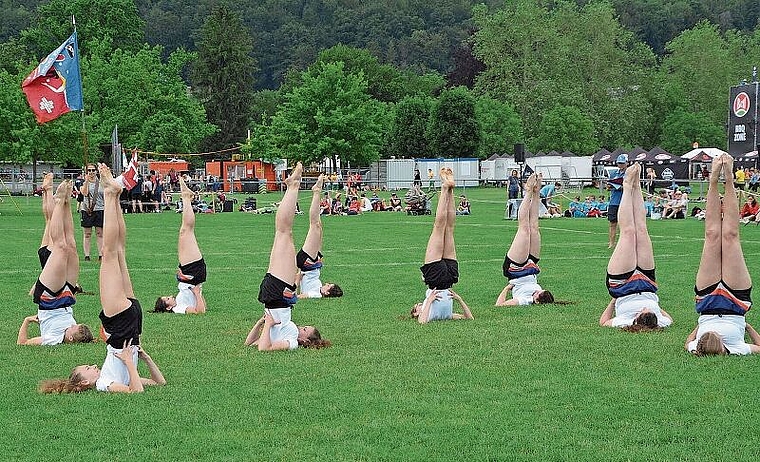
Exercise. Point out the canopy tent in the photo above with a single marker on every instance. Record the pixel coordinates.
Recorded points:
(601, 156)
(703, 154)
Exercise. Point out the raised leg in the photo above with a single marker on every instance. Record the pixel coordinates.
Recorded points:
(520, 247)
(709, 271)
(72, 262)
(113, 295)
(435, 246)
(53, 275)
(187, 247)
(282, 260)
(535, 234)
(447, 188)
(313, 243)
(48, 204)
(733, 267)
(644, 251)
(624, 256)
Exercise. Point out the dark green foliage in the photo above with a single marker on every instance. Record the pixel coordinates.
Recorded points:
(222, 76)
(408, 133)
(454, 130)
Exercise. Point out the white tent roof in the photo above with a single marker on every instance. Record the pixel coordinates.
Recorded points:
(712, 152)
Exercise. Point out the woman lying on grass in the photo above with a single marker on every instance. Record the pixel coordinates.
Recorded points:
(121, 315)
(521, 262)
(55, 289)
(275, 330)
(192, 268)
(630, 273)
(309, 258)
(441, 270)
(723, 284)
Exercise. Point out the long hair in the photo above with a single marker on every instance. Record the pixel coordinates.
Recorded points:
(161, 306)
(314, 340)
(83, 335)
(710, 343)
(335, 291)
(645, 322)
(73, 384)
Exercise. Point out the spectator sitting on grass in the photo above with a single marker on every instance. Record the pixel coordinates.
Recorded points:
(464, 206)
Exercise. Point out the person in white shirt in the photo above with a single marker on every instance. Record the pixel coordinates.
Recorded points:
(441, 270)
(631, 271)
(723, 287)
(55, 289)
(192, 267)
(521, 261)
(275, 330)
(309, 258)
(120, 316)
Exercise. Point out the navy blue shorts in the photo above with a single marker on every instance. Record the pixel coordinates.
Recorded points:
(633, 282)
(721, 299)
(513, 270)
(305, 262)
(48, 299)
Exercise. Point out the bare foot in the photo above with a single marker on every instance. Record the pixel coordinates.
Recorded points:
(187, 194)
(110, 186)
(47, 182)
(294, 180)
(632, 175)
(728, 167)
(531, 183)
(447, 178)
(717, 166)
(63, 190)
(317, 188)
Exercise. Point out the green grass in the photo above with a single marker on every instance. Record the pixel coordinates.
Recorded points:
(522, 383)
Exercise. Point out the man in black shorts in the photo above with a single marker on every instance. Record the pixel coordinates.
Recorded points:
(92, 211)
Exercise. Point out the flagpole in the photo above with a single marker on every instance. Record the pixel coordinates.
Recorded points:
(85, 141)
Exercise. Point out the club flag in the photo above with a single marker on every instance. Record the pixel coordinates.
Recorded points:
(55, 86)
(129, 177)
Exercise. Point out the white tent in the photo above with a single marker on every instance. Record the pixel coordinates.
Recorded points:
(711, 152)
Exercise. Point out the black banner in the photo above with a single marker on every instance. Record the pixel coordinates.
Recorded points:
(742, 119)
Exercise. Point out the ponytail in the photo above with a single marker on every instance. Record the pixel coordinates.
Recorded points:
(71, 385)
(314, 341)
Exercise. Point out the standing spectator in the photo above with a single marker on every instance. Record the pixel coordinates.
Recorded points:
(173, 180)
(136, 195)
(739, 178)
(417, 178)
(147, 190)
(651, 176)
(514, 185)
(615, 185)
(754, 179)
(431, 179)
(92, 211)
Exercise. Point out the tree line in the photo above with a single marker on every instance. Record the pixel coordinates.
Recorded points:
(361, 80)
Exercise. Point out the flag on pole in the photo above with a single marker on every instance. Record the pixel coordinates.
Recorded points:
(55, 87)
(129, 178)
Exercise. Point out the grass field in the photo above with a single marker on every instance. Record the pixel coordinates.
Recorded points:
(521, 383)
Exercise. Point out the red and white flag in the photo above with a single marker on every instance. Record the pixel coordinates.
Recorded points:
(129, 177)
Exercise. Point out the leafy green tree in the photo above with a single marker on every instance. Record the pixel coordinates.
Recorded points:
(146, 97)
(112, 23)
(222, 76)
(453, 130)
(566, 128)
(500, 126)
(407, 137)
(330, 114)
(682, 128)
